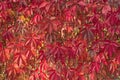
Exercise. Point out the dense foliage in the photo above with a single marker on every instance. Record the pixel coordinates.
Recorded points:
(59, 39)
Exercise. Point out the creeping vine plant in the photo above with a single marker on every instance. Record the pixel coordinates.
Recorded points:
(59, 39)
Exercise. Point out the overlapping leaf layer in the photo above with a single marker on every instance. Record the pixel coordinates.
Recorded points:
(59, 39)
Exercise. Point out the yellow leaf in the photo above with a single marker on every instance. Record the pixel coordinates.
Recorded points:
(22, 18)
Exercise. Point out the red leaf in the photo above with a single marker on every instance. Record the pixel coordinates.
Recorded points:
(43, 4)
(34, 75)
(82, 3)
(92, 76)
(36, 19)
(57, 51)
(29, 54)
(20, 59)
(68, 15)
(1, 46)
(43, 66)
(95, 67)
(7, 34)
(54, 75)
(88, 34)
(106, 9)
(4, 55)
(110, 47)
(43, 75)
(12, 70)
